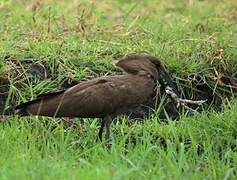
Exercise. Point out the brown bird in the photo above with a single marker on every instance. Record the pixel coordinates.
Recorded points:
(105, 97)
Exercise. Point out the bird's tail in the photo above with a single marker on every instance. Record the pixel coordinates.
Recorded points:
(23, 108)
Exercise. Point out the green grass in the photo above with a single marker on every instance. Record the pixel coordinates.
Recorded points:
(79, 41)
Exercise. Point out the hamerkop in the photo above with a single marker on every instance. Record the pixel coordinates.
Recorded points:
(105, 97)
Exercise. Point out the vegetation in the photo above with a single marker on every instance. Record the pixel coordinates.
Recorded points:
(78, 40)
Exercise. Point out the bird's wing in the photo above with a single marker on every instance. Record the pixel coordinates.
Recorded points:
(40, 97)
(112, 95)
(83, 85)
(84, 99)
(53, 95)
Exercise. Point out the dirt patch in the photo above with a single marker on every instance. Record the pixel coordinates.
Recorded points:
(4, 88)
(19, 73)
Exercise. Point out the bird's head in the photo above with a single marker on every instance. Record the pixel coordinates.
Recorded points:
(135, 64)
(138, 64)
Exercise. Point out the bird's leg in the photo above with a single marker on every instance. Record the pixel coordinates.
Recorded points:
(108, 121)
(102, 125)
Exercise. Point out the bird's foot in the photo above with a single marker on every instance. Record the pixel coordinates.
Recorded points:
(108, 143)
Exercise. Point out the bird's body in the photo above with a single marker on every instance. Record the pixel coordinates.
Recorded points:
(105, 97)
(111, 95)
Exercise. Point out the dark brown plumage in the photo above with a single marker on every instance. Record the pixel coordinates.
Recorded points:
(105, 97)
(135, 63)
